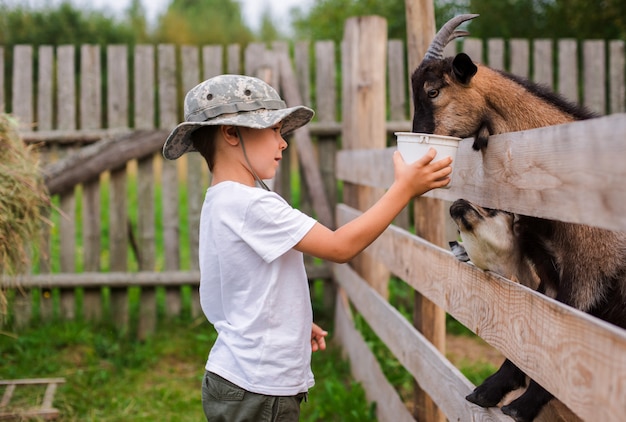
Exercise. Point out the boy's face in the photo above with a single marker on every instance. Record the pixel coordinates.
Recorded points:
(264, 148)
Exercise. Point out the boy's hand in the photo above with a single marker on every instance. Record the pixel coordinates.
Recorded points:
(424, 174)
(317, 338)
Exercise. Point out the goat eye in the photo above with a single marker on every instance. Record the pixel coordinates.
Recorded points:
(432, 93)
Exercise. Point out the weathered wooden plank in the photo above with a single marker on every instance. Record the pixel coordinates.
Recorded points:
(364, 114)
(473, 47)
(66, 120)
(413, 351)
(553, 343)
(325, 74)
(22, 105)
(594, 65)
(144, 82)
(366, 369)
(195, 183)
(520, 57)
(44, 87)
(117, 115)
(88, 162)
(303, 71)
(617, 63)
(233, 60)
(123, 279)
(44, 121)
(91, 118)
(542, 63)
(212, 61)
(397, 80)
(2, 93)
(168, 113)
(495, 53)
(568, 69)
(566, 172)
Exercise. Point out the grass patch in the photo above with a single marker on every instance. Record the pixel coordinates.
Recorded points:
(111, 378)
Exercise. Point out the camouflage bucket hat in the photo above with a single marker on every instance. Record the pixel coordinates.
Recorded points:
(233, 100)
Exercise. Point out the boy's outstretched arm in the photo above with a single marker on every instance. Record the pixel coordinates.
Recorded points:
(410, 180)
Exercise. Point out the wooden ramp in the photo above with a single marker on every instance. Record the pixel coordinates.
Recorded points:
(45, 411)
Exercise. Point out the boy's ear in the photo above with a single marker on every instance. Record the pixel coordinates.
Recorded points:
(230, 134)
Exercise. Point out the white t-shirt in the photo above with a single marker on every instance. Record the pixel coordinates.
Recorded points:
(254, 289)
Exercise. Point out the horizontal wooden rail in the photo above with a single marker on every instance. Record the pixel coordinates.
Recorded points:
(574, 174)
(126, 279)
(577, 357)
(87, 136)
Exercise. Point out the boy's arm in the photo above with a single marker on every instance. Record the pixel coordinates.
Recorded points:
(350, 239)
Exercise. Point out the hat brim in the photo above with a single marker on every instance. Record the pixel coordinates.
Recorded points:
(179, 141)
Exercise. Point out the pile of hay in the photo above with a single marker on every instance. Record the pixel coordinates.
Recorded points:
(23, 200)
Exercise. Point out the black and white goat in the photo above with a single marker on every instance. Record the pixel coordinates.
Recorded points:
(582, 266)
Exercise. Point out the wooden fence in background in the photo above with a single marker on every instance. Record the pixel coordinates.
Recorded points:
(132, 230)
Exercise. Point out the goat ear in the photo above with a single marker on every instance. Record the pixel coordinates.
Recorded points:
(463, 68)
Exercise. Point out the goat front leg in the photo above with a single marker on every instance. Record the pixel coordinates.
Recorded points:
(482, 136)
(508, 378)
(526, 407)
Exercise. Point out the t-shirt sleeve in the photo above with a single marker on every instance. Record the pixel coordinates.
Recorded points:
(272, 226)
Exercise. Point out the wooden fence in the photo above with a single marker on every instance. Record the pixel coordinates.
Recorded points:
(132, 229)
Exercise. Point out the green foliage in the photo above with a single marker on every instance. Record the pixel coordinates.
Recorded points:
(203, 22)
(531, 19)
(579, 19)
(64, 24)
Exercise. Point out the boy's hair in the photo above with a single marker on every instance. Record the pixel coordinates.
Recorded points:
(203, 141)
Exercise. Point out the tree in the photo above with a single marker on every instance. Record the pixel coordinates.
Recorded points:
(203, 22)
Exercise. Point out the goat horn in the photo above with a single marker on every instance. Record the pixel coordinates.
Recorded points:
(446, 34)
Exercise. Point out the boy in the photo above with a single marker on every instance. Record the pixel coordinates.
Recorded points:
(253, 285)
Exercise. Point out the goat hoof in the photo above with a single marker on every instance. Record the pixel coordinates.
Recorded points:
(483, 398)
(515, 413)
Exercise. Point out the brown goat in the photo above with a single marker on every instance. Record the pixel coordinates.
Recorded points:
(582, 266)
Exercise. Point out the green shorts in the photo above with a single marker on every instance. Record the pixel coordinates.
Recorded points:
(224, 401)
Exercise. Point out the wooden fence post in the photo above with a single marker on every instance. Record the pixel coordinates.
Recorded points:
(364, 116)
(428, 318)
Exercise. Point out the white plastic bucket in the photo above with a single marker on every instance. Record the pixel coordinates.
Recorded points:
(413, 146)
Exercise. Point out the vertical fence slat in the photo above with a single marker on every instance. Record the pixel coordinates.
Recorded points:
(542, 63)
(397, 80)
(520, 57)
(66, 109)
(617, 90)
(364, 92)
(144, 96)
(495, 53)
(44, 88)
(233, 61)
(190, 60)
(2, 82)
(303, 71)
(594, 65)
(397, 100)
(91, 118)
(117, 114)
(473, 47)
(22, 106)
(326, 97)
(45, 122)
(169, 174)
(144, 82)
(568, 69)
(212, 61)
